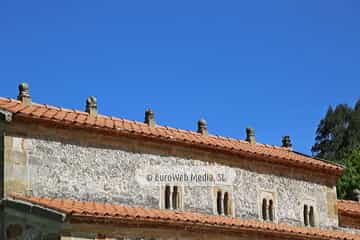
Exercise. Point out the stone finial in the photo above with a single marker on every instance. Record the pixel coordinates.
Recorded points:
(91, 106)
(250, 135)
(357, 194)
(150, 118)
(286, 142)
(202, 127)
(24, 94)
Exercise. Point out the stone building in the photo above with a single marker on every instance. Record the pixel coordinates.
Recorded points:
(68, 174)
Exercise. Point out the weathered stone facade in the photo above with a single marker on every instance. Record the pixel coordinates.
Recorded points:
(66, 169)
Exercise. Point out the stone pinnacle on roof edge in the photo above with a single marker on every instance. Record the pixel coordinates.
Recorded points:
(74, 118)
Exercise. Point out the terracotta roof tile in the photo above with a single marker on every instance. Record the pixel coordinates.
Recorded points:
(349, 207)
(112, 213)
(59, 115)
(109, 123)
(76, 118)
(50, 113)
(99, 121)
(40, 111)
(90, 120)
(29, 109)
(71, 116)
(10, 104)
(3, 101)
(17, 107)
(81, 118)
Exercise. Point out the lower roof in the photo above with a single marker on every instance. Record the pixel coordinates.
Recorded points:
(349, 207)
(349, 214)
(105, 213)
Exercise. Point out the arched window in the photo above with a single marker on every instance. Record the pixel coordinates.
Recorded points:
(271, 210)
(306, 214)
(175, 198)
(223, 204)
(311, 217)
(264, 209)
(172, 197)
(167, 197)
(226, 204)
(218, 203)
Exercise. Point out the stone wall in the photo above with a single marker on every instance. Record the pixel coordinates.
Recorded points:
(2, 154)
(68, 169)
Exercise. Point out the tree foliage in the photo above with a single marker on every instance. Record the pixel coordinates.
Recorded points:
(350, 180)
(338, 140)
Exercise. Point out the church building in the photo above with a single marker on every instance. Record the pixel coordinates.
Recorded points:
(74, 175)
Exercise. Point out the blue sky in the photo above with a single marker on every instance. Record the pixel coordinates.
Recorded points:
(273, 65)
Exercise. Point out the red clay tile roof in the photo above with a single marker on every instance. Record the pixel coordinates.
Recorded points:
(74, 118)
(82, 211)
(349, 214)
(349, 207)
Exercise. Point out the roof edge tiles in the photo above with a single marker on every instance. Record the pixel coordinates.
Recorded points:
(347, 207)
(106, 213)
(74, 118)
(349, 213)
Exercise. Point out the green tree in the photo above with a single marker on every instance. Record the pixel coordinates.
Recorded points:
(350, 180)
(352, 138)
(338, 140)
